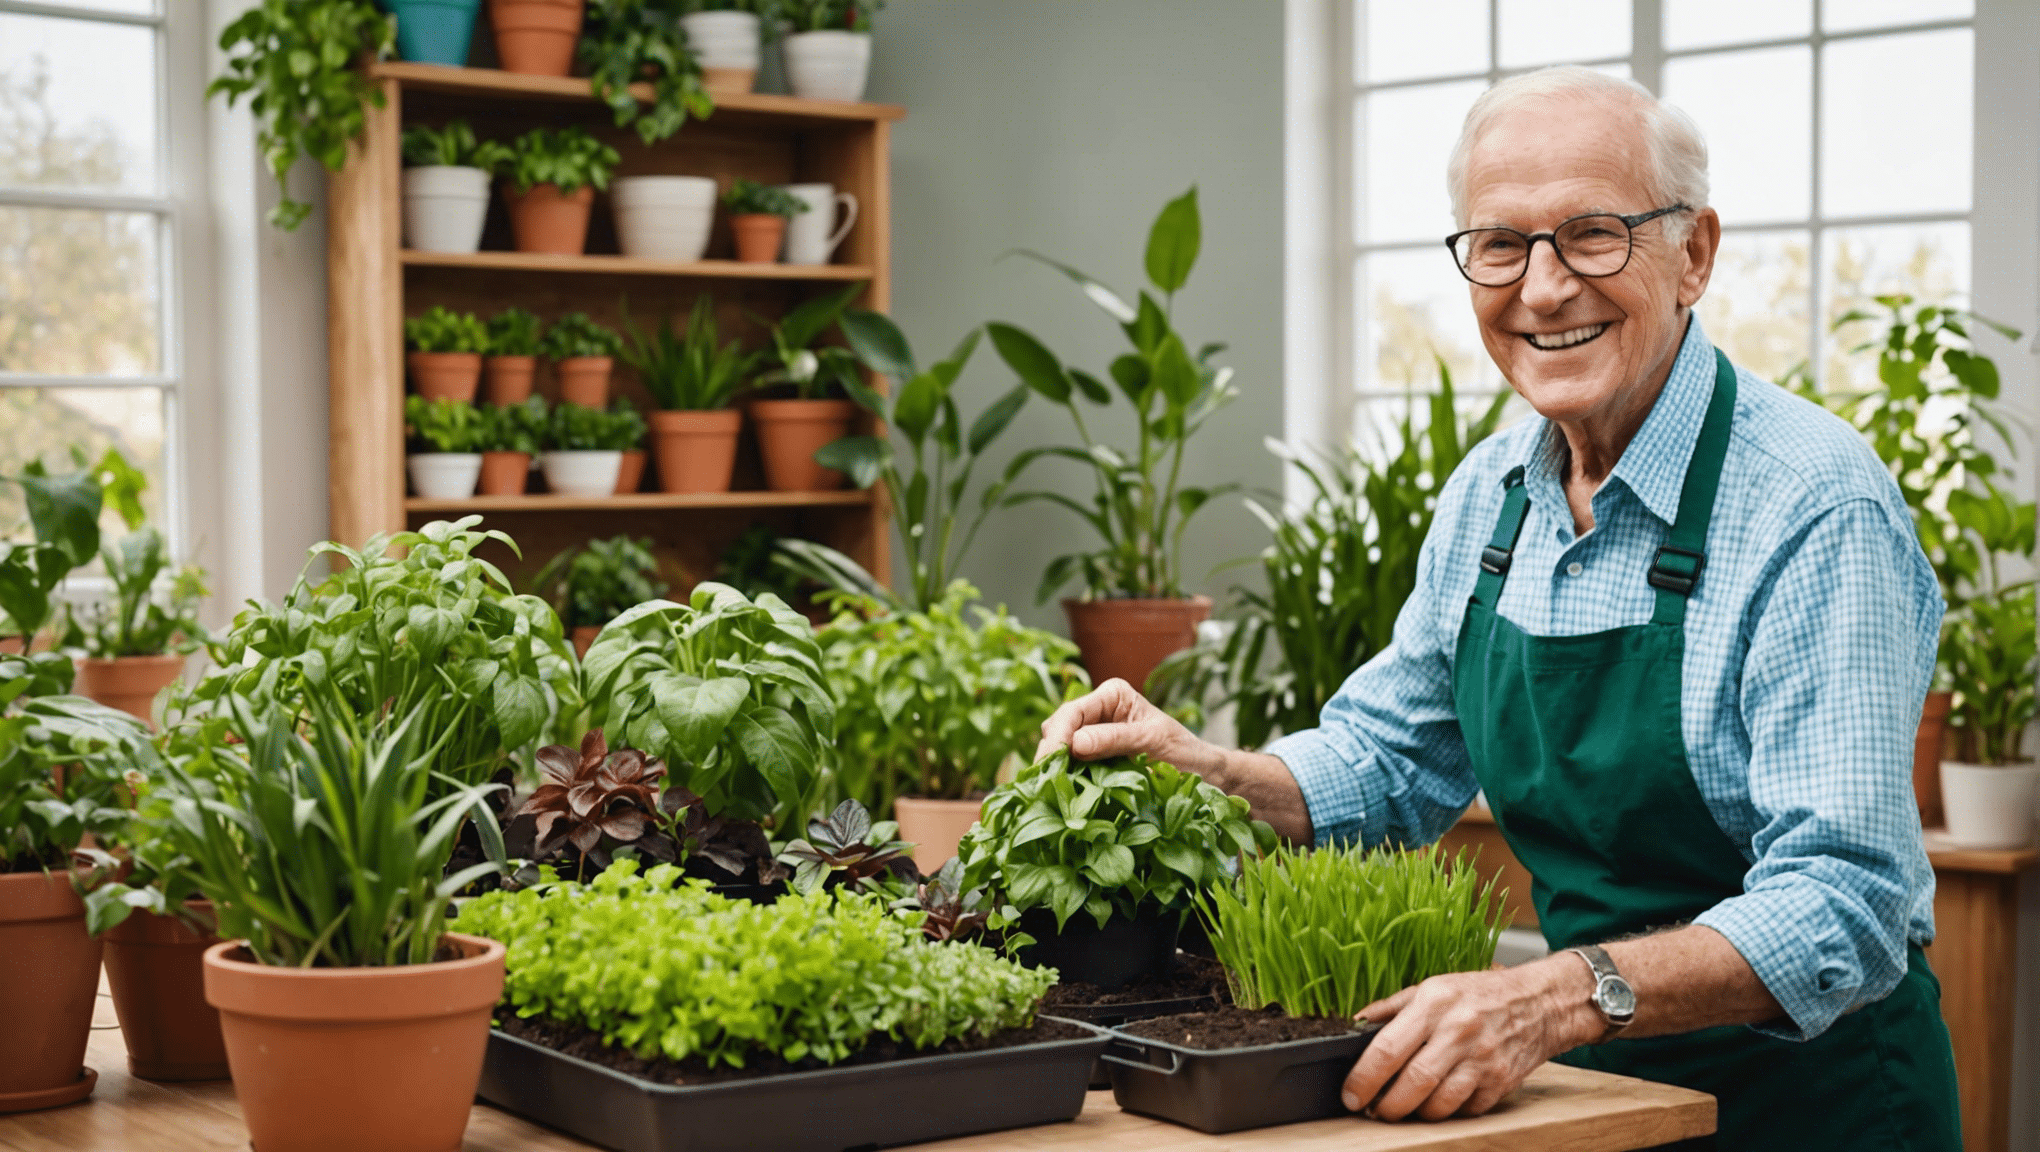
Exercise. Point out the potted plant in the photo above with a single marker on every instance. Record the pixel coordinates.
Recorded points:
(1134, 611)
(513, 355)
(725, 37)
(536, 37)
(758, 215)
(134, 646)
(630, 42)
(1129, 843)
(931, 704)
(582, 352)
(445, 354)
(298, 63)
(664, 217)
(554, 174)
(792, 429)
(828, 47)
(1992, 792)
(508, 438)
(434, 31)
(593, 583)
(446, 463)
(446, 186)
(1308, 939)
(746, 1052)
(584, 447)
(692, 380)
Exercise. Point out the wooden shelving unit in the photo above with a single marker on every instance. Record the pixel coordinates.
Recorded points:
(374, 283)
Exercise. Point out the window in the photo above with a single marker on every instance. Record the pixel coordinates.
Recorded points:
(1840, 135)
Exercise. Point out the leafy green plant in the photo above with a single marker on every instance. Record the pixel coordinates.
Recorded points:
(847, 848)
(453, 146)
(443, 425)
(727, 691)
(693, 373)
(748, 197)
(62, 763)
(947, 911)
(575, 428)
(296, 60)
(1105, 838)
(574, 335)
(566, 158)
(1141, 507)
(931, 704)
(626, 42)
(513, 332)
(440, 329)
(593, 583)
(1328, 932)
(63, 514)
(1989, 650)
(513, 427)
(825, 15)
(593, 800)
(140, 620)
(1335, 574)
(815, 373)
(679, 973)
(750, 565)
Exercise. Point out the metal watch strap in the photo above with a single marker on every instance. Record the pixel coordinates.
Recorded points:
(1603, 969)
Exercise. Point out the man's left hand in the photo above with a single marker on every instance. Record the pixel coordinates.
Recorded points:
(1457, 1044)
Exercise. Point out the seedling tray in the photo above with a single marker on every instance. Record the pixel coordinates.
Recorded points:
(896, 1102)
(1228, 1089)
(1108, 1015)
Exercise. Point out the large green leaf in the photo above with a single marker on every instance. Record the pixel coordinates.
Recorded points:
(1175, 374)
(862, 458)
(879, 343)
(995, 417)
(778, 747)
(1031, 360)
(696, 714)
(1173, 243)
(919, 403)
(64, 511)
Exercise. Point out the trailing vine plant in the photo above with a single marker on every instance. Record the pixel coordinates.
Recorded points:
(627, 41)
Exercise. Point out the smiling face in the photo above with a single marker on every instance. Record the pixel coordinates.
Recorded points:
(1584, 351)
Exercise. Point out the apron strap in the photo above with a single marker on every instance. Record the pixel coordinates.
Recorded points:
(1496, 557)
(1675, 571)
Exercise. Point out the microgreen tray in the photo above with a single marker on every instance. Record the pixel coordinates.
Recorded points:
(1228, 1089)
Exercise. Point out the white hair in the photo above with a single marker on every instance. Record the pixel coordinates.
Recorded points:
(1677, 154)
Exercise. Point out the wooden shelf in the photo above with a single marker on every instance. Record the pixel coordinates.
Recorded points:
(1949, 856)
(491, 82)
(647, 501)
(628, 265)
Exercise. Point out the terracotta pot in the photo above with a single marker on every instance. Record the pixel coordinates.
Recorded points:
(445, 375)
(129, 683)
(759, 235)
(504, 473)
(631, 476)
(48, 983)
(510, 378)
(545, 221)
(155, 967)
(343, 1059)
(934, 827)
(697, 451)
(584, 636)
(536, 36)
(789, 433)
(584, 380)
(1927, 758)
(729, 81)
(1126, 638)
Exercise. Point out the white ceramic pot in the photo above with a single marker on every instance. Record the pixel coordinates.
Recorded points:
(828, 65)
(582, 473)
(444, 208)
(444, 475)
(1990, 807)
(723, 39)
(664, 217)
(809, 236)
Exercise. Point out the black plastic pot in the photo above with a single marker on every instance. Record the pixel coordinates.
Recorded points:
(1228, 1089)
(897, 1102)
(1110, 957)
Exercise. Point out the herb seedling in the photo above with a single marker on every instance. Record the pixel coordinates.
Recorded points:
(750, 198)
(690, 373)
(574, 336)
(513, 332)
(513, 427)
(445, 424)
(575, 428)
(440, 329)
(566, 158)
(847, 848)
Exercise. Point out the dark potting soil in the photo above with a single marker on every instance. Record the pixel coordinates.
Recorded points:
(1236, 1027)
(1190, 978)
(586, 1044)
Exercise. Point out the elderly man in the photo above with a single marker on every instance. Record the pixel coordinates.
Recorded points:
(1677, 628)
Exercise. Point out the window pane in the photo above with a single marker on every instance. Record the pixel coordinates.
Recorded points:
(77, 104)
(1929, 262)
(1756, 109)
(1896, 124)
(1704, 23)
(124, 7)
(1439, 38)
(1413, 308)
(1562, 31)
(1409, 135)
(1842, 15)
(78, 292)
(1755, 307)
(44, 423)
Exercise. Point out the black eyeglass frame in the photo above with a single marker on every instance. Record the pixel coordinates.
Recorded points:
(1530, 242)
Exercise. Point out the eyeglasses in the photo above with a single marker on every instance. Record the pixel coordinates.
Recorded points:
(1597, 244)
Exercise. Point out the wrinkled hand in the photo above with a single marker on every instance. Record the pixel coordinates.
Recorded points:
(1457, 1044)
(1115, 720)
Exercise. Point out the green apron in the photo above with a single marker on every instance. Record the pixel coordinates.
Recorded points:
(1577, 744)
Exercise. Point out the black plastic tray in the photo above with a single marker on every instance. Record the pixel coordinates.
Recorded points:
(1228, 1089)
(1107, 1015)
(897, 1102)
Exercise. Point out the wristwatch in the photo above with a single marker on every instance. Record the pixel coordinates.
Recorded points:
(1613, 998)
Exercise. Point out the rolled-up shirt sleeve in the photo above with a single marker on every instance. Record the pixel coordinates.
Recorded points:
(1830, 708)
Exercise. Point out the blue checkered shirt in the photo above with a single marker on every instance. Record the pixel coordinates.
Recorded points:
(1809, 646)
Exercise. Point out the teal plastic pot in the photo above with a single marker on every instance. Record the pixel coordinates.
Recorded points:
(434, 31)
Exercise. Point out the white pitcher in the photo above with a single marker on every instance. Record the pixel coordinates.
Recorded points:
(809, 238)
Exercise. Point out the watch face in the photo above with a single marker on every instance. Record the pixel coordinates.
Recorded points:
(1615, 998)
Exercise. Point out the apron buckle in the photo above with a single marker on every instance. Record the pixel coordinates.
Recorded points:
(1676, 569)
(1495, 560)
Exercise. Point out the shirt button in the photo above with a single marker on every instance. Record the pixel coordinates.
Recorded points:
(1574, 568)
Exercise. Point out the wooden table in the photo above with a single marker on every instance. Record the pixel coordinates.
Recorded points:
(1558, 1108)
